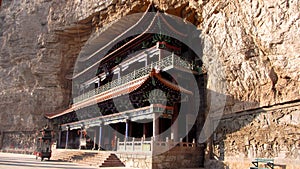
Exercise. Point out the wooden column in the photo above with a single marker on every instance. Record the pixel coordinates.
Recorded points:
(155, 127)
(174, 127)
(67, 138)
(130, 126)
(126, 129)
(59, 139)
(80, 137)
(174, 131)
(186, 128)
(100, 137)
(144, 130)
(109, 134)
(95, 134)
(114, 140)
(188, 119)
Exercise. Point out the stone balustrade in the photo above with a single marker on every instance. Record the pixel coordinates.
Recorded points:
(151, 145)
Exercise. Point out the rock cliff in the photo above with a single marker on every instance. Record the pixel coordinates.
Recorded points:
(251, 51)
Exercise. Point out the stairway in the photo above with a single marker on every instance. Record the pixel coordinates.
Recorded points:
(92, 158)
(95, 160)
(65, 155)
(79, 158)
(112, 161)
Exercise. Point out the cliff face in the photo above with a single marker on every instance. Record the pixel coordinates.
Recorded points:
(258, 46)
(251, 51)
(29, 70)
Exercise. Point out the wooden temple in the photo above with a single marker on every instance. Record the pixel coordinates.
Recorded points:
(131, 93)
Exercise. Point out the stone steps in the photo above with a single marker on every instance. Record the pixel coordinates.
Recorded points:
(94, 161)
(112, 161)
(101, 159)
(71, 155)
(65, 155)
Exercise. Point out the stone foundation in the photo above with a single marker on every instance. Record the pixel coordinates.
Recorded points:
(178, 157)
(136, 160)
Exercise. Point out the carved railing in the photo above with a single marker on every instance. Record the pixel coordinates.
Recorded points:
(134, 146)
(165, 63)
(150, 146)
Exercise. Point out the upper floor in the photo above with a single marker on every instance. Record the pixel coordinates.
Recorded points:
(162, 57)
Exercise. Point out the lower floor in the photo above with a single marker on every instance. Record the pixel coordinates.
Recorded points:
(152, 123)
(115, 137)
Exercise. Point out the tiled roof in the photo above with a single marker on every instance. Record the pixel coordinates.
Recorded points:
(116, 92)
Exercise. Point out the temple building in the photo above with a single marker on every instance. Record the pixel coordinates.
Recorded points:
(136, 95)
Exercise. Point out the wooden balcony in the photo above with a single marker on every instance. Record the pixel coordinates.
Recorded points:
(166, 63)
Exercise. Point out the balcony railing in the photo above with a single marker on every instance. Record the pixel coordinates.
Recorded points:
(164, 64)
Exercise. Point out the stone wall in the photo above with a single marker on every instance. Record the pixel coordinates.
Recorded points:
(19, 142)
(271, 132)
(179, 157)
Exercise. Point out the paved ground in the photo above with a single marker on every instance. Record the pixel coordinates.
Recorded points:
(22, 161)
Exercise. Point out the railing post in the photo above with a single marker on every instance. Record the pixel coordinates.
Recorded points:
(142, 142)
(125, 144)
(133, 144)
